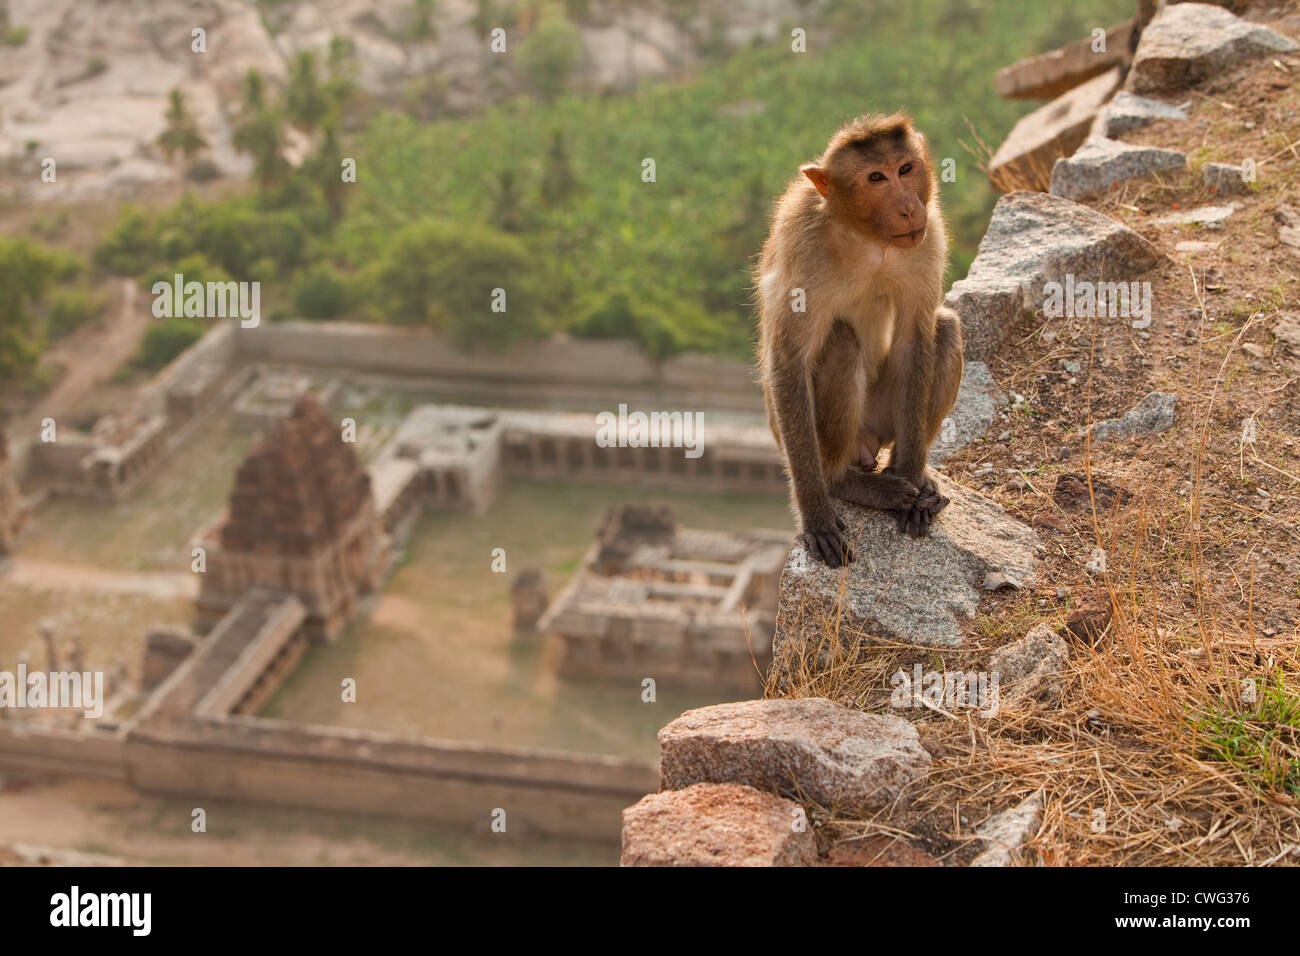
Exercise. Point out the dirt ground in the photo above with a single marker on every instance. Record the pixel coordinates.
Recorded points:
(116, 822)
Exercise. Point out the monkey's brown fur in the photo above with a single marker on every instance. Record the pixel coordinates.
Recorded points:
(873, 359)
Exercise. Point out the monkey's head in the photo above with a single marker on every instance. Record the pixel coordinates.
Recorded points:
(876, 178)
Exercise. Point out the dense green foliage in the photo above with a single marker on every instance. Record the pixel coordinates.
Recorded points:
(672, 256)
(165, 340)
(547, 196)
(27, 271)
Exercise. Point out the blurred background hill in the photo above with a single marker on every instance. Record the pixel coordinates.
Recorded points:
(470, 165)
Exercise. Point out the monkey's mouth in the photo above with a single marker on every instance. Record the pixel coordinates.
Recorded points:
(908, 239)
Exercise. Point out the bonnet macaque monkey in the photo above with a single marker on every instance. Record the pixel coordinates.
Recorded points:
(855, 350)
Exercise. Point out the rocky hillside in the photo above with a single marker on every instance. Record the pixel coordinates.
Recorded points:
(1092, 660)
(87, 83)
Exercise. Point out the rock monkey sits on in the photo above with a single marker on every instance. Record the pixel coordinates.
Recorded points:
(855, 350)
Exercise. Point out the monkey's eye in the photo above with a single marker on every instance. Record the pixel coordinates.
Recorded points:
(905, 169)
(877, 177)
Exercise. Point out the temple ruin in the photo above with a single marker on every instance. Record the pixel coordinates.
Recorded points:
(309, 528)
(653, 599)
(301, 520)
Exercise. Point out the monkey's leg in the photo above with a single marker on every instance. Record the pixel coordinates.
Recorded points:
(943, 395)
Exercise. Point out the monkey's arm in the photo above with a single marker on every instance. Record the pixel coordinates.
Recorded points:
(820, 528)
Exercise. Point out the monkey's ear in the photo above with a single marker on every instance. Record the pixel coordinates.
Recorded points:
(817, 176)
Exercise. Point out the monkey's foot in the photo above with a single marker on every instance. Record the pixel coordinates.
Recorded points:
(827, 544)
(886, 490)
(915, 521)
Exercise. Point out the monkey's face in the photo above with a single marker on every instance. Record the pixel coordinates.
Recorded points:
(878, 184)
(890, 200)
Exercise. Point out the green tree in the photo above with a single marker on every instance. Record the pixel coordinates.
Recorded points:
(259, 133)
(341, 84)
(321, 294)
(549, 54)
(306, 103)
(325, 167)
(446, 276)
(26, 271)
(558, 178)
(180, 137)
(507, 202)
(484, 18)
(166, 339)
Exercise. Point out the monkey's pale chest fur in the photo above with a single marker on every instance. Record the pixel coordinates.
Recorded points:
(860, 289)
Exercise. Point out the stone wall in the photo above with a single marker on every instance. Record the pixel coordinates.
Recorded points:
(33, 749)
(562, 367)
(446, 782)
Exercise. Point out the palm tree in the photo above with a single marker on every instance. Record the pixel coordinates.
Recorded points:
(558, 178)
(258, 133)
(341, 83)
(180, 137)
(325, 167)
(305, 101)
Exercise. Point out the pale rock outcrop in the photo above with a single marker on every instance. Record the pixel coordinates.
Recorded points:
(1034, 238)
(1191, 42)
(1128, 111)
(1050, 74)
(1211, 217)
(1025, 158)
(1006, 833)
(917, 591)
(1031, 666)
(716, 824)
(1225, 178)
(1155, 413)
(90, 84)
(808, 748)
(1101, 163)
(976, 409)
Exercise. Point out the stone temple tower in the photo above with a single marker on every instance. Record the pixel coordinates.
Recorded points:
(301, 519)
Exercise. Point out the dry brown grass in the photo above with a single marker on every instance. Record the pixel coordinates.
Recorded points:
(1128, 736)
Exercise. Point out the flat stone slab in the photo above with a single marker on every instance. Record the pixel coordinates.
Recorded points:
(1155, 413)
(978, 401)
(1128, 111)
(1190, 42)
(1048, 75)
(1225, 178)
(1101, 163)
(809, 748)
(716, 824)
(1211, 217)
(917, 591)
(1031, 666)
(1007, 832)
(1039, 139)
(1034, 238)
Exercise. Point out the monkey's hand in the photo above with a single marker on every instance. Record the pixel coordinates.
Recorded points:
(825, 541)
(915, 521)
